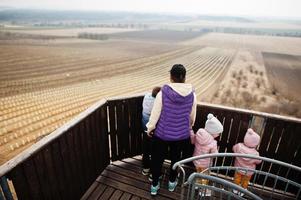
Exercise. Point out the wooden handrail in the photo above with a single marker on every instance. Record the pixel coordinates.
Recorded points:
(239, 110)
(255, 113)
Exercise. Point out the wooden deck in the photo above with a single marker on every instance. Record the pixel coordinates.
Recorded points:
(124, 180)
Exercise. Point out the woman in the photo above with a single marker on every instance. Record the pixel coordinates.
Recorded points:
(170, 122)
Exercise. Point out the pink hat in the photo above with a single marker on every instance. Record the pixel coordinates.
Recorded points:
(251, 138)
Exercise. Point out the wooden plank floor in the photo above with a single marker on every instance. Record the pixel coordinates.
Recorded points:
(124, 180)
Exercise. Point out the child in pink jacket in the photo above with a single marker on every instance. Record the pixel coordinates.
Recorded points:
(204, 143)
(251, 141)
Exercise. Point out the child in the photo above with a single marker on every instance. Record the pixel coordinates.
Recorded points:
(251, 140)
(147, 105)
(205, 144)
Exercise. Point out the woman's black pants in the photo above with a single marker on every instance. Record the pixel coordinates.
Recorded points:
(177, 151)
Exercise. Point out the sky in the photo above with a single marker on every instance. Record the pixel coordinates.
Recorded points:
(261, 8)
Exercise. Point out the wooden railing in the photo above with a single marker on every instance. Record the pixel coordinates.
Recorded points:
(280, 136)
(65, 163)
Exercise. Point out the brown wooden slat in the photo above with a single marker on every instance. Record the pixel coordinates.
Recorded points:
(113, 131)
(116, 195)
(265, 139)
(201, 116)
(75, 165)
(138, 161)
(132, 167)
(84, 155)
(286, 150)
(223, 143)
(125, 196)
(120, 130)
(296, 159)
(104, 153)
(42, 175)
(107, 193)
(271, 151)
(98, 191)
(243, 126)
(69, 167)
(90, 191)
(137, 175)
(32, 178)
(125, 172)
(234, 129)
(133, 161)
(93, 143)
(96, 123)
(139, 124)
(295, 145)
(136, 165)
(289, 143)
(79, 159)
(126, 130)
(53, 184)
(138, 184)
(20, 183)
(61, 179)
(91, 157)
(134, 131)
(131, 189)
(274, 169)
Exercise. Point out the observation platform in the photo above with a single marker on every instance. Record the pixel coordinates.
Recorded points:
(96, 154)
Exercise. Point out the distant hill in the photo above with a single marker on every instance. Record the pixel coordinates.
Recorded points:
(31, 15)
(225, 18)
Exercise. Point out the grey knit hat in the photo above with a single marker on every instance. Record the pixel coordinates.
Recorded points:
(213, 125)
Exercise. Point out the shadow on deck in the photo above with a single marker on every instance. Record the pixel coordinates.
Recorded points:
(124, 180)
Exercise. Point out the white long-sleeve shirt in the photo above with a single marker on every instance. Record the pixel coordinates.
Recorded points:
(148, 103)
(183, 89)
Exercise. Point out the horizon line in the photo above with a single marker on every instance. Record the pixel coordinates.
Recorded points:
(154, 12)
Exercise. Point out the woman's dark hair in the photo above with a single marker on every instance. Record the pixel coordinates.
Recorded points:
(178, 73)
(155, 91)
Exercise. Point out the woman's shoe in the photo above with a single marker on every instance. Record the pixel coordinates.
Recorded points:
(154, 189)
(172, 185)
(145, 171)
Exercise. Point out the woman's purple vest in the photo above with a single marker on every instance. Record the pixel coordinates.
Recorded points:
(174, 121)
